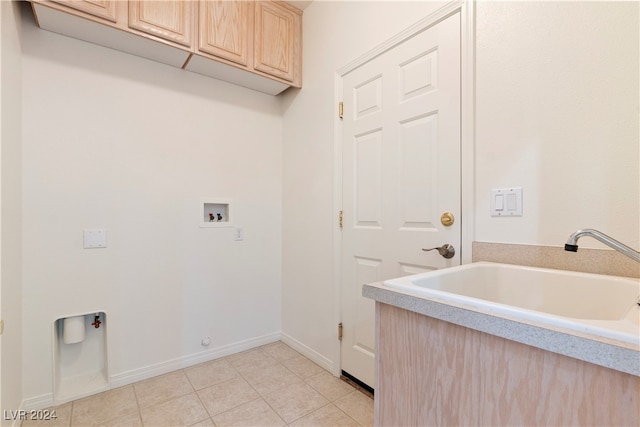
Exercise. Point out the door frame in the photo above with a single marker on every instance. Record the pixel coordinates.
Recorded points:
(466, 8)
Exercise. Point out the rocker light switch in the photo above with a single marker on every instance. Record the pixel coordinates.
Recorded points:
(95, 239)
(499, 202)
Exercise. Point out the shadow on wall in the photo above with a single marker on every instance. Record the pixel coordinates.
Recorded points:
(103, 60)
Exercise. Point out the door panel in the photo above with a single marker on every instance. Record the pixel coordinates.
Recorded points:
(401, 171)
(418, 164)
(368, 180)
(363, 340)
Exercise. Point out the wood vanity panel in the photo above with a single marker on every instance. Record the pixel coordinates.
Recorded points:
(431, 372)
(225, 29)
(172, 20)
(105, 9)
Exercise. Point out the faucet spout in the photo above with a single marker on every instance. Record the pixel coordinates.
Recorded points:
(572, 243)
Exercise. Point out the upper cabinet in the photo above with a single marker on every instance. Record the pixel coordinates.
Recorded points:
(171, 20)
(226, 29)
(105, 9)
(263, 37)
(277, 40)
(256, 44)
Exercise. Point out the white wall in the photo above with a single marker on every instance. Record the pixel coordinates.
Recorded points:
(556, 113)
(118, 142)
(10, 210)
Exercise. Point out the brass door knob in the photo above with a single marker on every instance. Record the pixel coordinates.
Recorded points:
(447, 219)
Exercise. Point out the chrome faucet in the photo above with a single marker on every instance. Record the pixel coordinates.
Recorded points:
(572, 246)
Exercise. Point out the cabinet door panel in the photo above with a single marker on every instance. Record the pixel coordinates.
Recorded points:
(225, 29)
(105, 9)
(277, 38)
(168, 19)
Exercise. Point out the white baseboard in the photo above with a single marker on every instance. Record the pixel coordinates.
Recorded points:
(38, 402)
(309, 353)
(150, 371)
(146, 372)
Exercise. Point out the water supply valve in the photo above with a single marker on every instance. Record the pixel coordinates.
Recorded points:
(96, 321)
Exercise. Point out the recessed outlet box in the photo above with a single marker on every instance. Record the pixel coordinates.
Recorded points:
(82, 368)
(214, 212)
(506, 202)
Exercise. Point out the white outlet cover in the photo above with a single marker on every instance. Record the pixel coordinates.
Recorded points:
(238, 234)
(96, 238)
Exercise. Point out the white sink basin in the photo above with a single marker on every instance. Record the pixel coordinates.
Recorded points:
(591, 303)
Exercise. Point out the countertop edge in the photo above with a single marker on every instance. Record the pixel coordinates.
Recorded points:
(593, 351)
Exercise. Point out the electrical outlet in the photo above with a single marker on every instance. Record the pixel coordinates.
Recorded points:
(238, 234)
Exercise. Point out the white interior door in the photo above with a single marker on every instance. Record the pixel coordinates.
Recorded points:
(401, 172)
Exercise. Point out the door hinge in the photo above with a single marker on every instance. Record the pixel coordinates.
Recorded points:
(341, 219)
(340, 331)
(340, 109)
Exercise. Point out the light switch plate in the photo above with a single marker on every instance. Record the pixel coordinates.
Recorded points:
(96, 238)
(506, 202)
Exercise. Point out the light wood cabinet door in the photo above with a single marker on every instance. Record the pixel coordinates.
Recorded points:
(225, 29)
(277, 40)
(105, 9)
(171, 20)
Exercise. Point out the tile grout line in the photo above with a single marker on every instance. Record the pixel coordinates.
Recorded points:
(194, 391)
(73, 404)
(135, 395)
(260, 394)
(236, 406)
(303, 379)
(169, 399)
(324, 406)
(200, 398)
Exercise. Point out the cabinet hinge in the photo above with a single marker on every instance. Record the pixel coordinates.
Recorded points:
(340, 218)
(340, 109)
(340, 331)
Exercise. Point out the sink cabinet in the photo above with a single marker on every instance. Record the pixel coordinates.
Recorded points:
(433, 372)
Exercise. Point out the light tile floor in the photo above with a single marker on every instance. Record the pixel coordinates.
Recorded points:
(272, 385)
